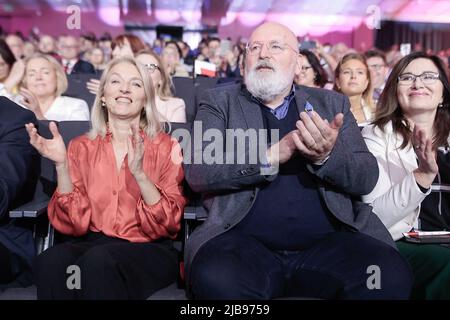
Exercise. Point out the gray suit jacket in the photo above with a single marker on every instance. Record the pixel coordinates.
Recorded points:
(229, 190)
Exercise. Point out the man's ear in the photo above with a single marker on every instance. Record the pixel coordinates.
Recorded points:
(298, 64)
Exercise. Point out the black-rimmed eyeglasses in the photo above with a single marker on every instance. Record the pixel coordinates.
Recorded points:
(426, 78)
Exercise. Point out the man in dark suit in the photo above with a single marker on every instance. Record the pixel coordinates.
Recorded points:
(285, 220)
(18, 172)
(70, 51)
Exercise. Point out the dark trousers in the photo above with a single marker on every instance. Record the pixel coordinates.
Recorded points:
(236, 266)
(431, 267)
(110, 268)
(6, 274)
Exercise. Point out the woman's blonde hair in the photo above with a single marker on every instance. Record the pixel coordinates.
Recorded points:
(164, 91)
(149, 120)
(61, 78)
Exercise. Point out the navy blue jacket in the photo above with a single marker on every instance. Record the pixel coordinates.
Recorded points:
(83, 67)
(19, 169)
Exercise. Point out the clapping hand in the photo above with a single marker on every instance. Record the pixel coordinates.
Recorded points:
(423, 147)
(53, 149)
(135, 152)
(315, 137)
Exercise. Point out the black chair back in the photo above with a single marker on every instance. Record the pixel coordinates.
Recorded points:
(77, 87)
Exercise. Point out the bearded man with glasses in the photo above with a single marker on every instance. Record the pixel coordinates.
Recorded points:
(289, 223)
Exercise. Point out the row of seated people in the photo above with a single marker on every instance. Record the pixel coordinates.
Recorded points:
(311, 216)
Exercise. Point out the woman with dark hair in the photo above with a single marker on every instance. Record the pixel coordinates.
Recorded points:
(352, 78)
(7, 61)
(409, 138)
(312, 73)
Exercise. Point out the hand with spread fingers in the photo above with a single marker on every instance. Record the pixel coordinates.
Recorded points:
(53, 149)
(423, 147)
(135, 152)
(316, 137)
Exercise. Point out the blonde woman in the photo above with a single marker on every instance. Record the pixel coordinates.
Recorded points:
(41, 91)
(172, 109)
(119, 194)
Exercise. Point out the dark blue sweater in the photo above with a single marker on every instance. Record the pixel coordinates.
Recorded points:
(288, 213)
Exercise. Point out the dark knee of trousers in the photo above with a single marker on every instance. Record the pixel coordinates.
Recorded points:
(217, 279)
(209, 281)
(95, 260)
(389, 276)
(398, 274)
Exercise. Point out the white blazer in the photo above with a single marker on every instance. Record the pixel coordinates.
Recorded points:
(396, 197)
(67, 108)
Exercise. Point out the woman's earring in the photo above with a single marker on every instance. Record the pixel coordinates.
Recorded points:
(440, 105)
(103, 104)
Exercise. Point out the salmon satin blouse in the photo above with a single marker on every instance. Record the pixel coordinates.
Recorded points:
(108, 199)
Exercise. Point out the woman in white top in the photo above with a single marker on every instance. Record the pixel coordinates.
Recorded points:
(411, 123)
(43, 84)
(352, 78)
(172, 109)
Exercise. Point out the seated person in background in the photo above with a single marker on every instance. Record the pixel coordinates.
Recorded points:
(97, 59)
(312, 74)
(124, 45)
(352, 78)
(296, 230)
(16, 44)
(42, 85)
(411, 123)
(172, 109)
(376, 61)
(119, 193)
(47, 45)
(171, 59)
(8, 66)
(19, 166)
(70, 51)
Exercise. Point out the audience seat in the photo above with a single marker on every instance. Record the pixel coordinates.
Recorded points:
(77, 87)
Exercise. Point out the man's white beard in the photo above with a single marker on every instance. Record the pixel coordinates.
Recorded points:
(267, 85)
